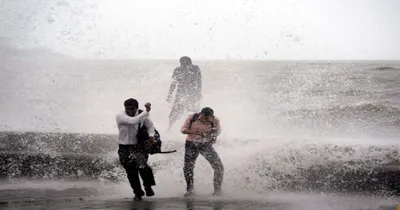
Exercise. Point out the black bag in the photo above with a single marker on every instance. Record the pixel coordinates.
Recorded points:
(143, 136)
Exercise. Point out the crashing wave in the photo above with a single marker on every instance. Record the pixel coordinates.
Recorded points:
(305, 167)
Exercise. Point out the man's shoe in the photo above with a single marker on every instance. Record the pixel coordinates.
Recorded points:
(217, 193)
(137, 198)
(189, 192)
(149, 191)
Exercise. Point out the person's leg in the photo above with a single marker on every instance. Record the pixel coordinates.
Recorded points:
(147, 176)
(148, 179)
(191, 154)
(175, 114)
(133, 177)
(145, 171)
(131, 170)
(212, 157)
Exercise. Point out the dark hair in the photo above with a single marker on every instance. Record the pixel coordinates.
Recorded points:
(207, 111)
(131, 102)
(185, 58)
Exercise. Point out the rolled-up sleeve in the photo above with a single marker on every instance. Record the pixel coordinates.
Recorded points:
(150, 126)
(185, 125)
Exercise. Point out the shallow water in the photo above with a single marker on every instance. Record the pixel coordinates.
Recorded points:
(98, 195)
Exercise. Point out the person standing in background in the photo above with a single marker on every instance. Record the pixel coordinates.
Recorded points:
(188, 80)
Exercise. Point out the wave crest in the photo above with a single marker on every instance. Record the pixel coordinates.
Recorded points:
(300, 167)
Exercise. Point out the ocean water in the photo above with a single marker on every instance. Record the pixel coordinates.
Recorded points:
(255, 99)
(303, 126)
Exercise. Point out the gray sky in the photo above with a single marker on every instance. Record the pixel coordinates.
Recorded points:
(206, 29)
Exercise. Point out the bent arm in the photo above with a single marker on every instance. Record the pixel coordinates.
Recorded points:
(125, 119)
(185, 126)
(150, 127)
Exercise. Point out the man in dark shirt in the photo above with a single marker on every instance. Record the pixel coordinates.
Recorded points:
(188, 95)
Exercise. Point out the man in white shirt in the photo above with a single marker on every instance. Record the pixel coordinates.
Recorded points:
(131, 155)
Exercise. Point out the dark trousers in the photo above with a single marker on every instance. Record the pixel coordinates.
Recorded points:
(134, 161)
(192, 151)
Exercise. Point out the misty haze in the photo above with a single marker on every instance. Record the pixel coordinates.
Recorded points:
(307, 94)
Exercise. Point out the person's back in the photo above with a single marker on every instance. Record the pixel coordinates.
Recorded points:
(187, 78)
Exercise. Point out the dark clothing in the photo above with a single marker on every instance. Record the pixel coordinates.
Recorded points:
(188, 94)
(134, 162)
(189, 102)
(192, 151)
(180, 106)
(189, 80)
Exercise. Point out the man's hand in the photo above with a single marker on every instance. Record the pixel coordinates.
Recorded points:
(148, 106)
(149, 142)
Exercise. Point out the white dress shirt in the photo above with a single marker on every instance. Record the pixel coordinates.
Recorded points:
(128, 126)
